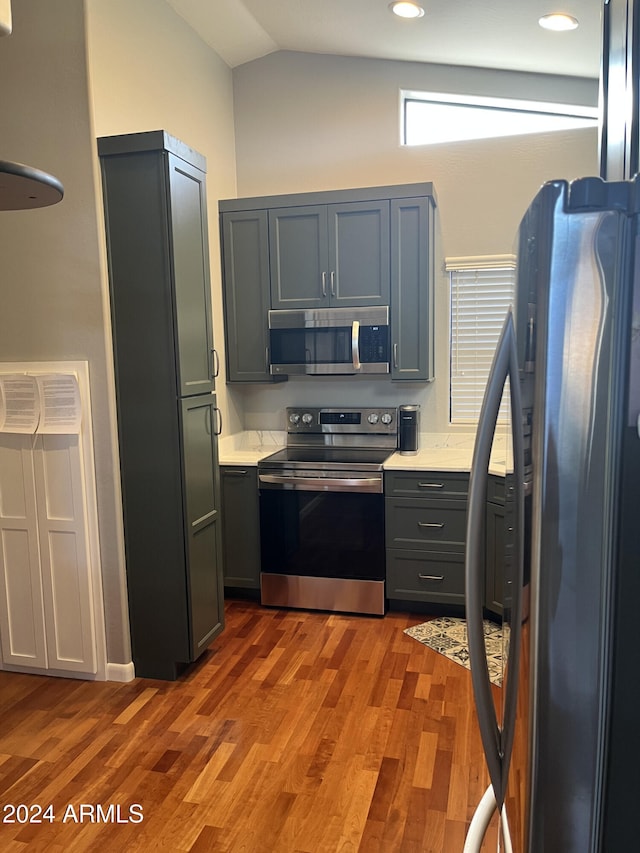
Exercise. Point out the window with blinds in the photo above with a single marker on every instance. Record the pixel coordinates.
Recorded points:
(482, 289)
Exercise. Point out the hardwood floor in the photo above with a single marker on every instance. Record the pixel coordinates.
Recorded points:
(297, 733)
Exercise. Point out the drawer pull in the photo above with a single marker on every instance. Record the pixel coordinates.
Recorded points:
(431, 577)
(438, 524)
(431, 485)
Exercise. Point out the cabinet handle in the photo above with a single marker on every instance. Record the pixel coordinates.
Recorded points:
(215, 366)
(431, 485)
(234, 472)
(333, 282)
(395, 356)
(431, 577)
(439, 525)
(324, 284)
(266, 358)
(218, 428)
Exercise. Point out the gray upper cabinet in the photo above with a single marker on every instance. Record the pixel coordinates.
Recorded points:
(245, 276)
(343, 248)
(190, 256)
(155, 216)
(413, 270)
(330, 255)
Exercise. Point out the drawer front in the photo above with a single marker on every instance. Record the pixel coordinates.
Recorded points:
(430, 525)
(495, 490)
(418, 576)
(426, 484)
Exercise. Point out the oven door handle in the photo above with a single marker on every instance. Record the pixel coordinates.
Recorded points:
(323, 484)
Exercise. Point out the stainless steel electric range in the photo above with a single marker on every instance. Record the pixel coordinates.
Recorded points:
(322, 510)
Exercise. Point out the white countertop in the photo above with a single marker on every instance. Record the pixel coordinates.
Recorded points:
(438, 451)
(250, 446)
(449, 452)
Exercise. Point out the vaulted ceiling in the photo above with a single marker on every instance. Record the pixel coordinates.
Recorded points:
(502, 34)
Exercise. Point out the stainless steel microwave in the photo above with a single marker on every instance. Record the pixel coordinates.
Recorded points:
(331, 341)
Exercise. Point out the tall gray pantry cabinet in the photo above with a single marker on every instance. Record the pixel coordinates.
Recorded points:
(155, 212)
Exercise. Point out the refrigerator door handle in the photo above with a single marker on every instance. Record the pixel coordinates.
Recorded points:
(480, 823)
(517, 580)
(496, 743)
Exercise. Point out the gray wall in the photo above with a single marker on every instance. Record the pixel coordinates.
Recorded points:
(53, 304)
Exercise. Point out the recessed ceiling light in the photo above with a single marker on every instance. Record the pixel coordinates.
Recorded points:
(406, 9)
(558, 21)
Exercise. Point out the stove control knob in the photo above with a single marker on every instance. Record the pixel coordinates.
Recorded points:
(307, 418)
(386, 418)
(294, 418)
(373, 418)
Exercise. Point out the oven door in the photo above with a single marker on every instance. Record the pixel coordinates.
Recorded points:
(323, 547)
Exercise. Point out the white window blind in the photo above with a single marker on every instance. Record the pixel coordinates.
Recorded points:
(482, 289)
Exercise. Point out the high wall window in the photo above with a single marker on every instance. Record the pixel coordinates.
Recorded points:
(429, 117)
(482, 290)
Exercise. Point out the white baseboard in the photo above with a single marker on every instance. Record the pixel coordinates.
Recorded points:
(121, 671)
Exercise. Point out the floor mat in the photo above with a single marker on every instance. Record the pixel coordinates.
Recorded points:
(448, 636)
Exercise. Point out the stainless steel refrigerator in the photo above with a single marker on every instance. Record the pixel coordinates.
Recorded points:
(561, 736)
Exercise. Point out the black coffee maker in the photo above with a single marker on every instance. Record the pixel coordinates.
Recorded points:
(409, 424)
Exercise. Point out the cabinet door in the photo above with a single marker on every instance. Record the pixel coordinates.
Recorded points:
(359, 271)
(298, 257)
(241, 527)
(46, 598)
(412, 275)
(64, 554)
(192, 289)
(245, 281)
(202, 522)
(22, 624)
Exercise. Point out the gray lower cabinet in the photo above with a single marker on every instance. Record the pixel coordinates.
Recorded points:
(240, 527)
(496, 546)
(425, 526)
(155, 214)
(344, 248)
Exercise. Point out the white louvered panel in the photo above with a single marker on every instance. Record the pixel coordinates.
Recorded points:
(64, 555)
(22, 628)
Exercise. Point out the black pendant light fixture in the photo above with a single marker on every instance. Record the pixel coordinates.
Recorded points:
(23, 187)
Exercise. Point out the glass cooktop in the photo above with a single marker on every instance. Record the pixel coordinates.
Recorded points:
(370, 459)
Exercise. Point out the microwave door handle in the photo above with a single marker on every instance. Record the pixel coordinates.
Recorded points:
(355, 345)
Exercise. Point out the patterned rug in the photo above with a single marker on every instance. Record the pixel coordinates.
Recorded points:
(448, 636)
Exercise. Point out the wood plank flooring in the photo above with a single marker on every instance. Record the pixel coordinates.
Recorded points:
(296, 733)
